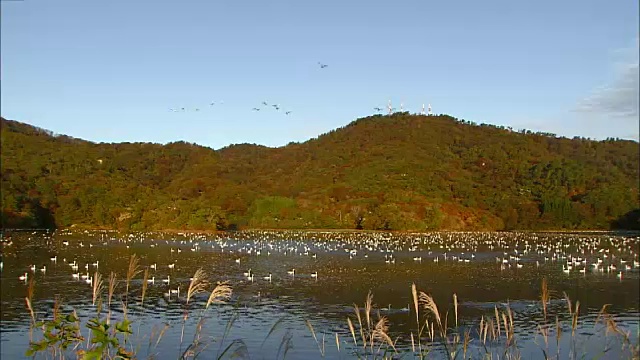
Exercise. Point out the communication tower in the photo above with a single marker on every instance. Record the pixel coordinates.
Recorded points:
(423, 112)
(429, 110)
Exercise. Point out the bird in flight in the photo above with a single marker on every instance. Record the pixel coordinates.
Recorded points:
(287, 112)
(322, 66)
(265, 103)
(256, 109)
(275, 106)
(377, 109)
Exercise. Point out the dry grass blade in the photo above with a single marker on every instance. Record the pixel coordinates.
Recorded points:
(544, 331)
(166, 327)
(353, 331)
(27, 299)
(367, 309)
(132, 271)
(414, 292)
(465, 345)
(544, 297)
(30, 308)
(144, 285)
(455, 307)
(97, 286)
(222, 292)
(321, 348)
(285, 344)
(506, 326)
(380, 332)
(495, 308)
(428, 304)
(413, 343)
(566, 298)
(198, 284)
(416, 302)
(273, 328)
(602, 313)
(574, 320)
(486, 331)
(357, 311)
(30, 292)
(510, 313)
(112, 288)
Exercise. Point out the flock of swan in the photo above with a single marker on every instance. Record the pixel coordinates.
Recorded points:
(602, 253)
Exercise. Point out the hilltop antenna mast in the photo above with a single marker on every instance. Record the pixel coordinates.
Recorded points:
(422, 112)
(389, 107)
(429, 110)
(401, 107)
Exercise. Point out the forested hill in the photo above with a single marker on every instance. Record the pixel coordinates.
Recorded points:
(382, 172)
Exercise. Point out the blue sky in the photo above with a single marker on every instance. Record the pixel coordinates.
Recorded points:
(109, 71)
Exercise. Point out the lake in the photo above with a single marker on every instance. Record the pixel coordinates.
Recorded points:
(276, 312)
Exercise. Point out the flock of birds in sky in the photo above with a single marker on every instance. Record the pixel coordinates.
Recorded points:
(265, 105)
(220, 102)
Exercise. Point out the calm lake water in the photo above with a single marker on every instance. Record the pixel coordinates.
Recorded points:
(485, 270)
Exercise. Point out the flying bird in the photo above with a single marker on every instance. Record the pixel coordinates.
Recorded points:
(265, 103)
(287, 112)
(322, 66)
(256, 109)
(378, 109)
(275, 106)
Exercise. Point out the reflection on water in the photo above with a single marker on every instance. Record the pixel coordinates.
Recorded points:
(298, 276)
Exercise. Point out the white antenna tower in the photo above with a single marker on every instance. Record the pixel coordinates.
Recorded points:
(389, 107)
(429, 110)
(401, 107)
(422, 112)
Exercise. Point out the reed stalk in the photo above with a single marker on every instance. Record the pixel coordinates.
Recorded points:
(132, 271)
(145, 284)
(112, 288)
(28, 299)
(97, 290)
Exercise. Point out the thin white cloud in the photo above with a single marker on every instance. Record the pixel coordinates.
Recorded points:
(618, 99)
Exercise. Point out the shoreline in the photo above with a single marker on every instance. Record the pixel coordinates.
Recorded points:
(210, 232)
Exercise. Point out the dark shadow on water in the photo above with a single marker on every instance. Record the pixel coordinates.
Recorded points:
(628, 221)
(36, 218)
